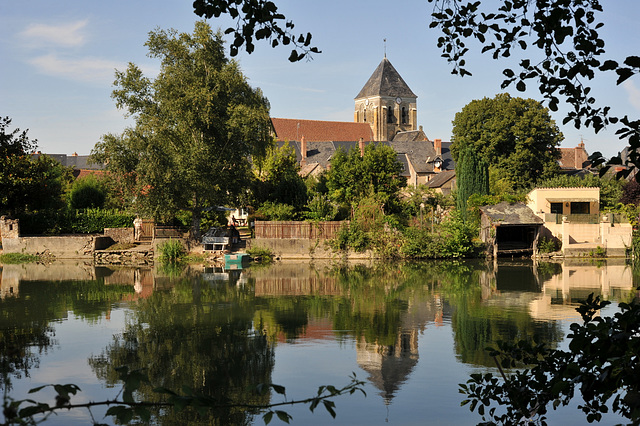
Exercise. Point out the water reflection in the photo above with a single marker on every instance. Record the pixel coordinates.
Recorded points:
(219, 331)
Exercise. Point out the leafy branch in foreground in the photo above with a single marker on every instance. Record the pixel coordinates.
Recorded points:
(602, 364)
(565, 52)
(257, 20)
(125, 408)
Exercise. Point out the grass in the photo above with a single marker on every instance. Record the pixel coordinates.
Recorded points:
(171, 251)
(15, 258)
(261, 252)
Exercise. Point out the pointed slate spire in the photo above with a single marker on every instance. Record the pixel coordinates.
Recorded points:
(385, 81)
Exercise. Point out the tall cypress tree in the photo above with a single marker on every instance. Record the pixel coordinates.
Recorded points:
(472, 175)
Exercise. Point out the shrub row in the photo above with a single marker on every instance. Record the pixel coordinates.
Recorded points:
(86, 221)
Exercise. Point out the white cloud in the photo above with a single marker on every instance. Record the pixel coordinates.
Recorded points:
(85, 69)
(633, 92)
(68, 35)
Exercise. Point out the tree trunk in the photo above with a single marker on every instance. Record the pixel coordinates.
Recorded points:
(196, 216)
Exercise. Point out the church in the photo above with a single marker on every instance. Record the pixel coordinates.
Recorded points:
(385, 112)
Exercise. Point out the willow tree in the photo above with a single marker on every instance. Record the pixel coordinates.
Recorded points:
(197, 124)
(472, 177)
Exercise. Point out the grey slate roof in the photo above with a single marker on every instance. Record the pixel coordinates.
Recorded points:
(421, 154)
(511, 214)
(447, 158)
(402, 159)
(441, 178)
(410, 136)
(385, 81)
(75, 161)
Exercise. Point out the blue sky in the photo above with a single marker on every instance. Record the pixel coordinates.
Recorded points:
(58, 61)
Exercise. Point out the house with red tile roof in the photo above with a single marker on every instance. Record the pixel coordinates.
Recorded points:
(574, 158)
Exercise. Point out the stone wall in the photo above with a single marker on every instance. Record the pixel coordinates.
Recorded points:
(60, 246)
(77, 246)
(123, 257)
(9, 228)
(120, 235)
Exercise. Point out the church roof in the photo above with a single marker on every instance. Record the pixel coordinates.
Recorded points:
(290, 129)
(385, 81)
(410, 136)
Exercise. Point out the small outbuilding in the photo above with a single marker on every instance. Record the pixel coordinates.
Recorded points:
(510, 229)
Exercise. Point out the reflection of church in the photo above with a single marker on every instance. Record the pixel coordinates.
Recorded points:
(389, 366)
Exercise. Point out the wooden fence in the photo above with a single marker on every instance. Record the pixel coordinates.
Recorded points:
(298, 230)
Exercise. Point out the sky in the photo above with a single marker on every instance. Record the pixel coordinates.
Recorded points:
(57, 64)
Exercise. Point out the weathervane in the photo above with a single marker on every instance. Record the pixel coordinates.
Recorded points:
(385, 47)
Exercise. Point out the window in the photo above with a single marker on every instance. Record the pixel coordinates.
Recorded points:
(390, 116)
(404, 115)
(579, 207)
(556, 208)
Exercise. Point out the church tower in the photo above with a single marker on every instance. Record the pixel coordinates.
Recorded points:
(387, 103)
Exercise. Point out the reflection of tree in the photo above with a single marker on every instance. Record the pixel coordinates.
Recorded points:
(199, 337)
(25, 320)
(477, 324)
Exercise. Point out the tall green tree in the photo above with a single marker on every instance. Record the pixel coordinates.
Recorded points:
(353, 176)
(196, 126)
(278, 180)
(472, 174)
(515, 135)
(28, 184)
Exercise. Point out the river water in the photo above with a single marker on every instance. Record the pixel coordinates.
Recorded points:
(411, 331)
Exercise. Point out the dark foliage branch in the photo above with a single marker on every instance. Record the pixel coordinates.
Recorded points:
(601, 366)
(257, 20)
(125, 408)
(565, 32)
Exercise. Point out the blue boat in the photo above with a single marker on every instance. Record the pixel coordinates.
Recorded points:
(234, 261)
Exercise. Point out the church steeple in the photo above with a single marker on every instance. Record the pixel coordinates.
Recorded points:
(387, 103)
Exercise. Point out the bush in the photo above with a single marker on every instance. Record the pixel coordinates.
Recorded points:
(548, 245)
(277, 211)
(87, 193)
(95, 220)
(171, 251)
(459, 238)
(635, 246)
(420, 243)
(320, 208)
(264, 253)
(351, 236)
(86, 221)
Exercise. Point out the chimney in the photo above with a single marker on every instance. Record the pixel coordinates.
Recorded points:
(437, 145)
(303, 151)
(361, 146)
(75, 154)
